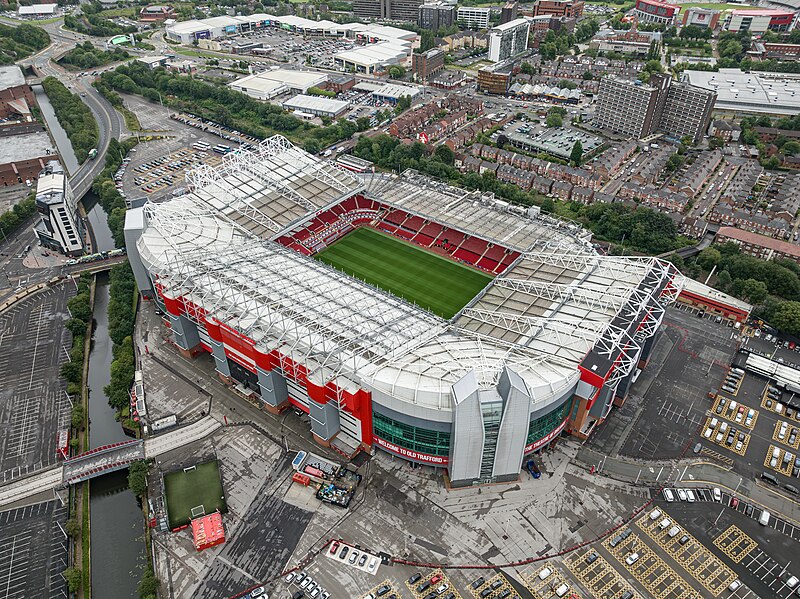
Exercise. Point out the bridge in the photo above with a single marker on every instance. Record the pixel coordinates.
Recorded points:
(105, 459)
(101, 460)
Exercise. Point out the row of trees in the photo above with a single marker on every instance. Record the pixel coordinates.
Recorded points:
(121, 319)
(74, 116)
(12, 219)
(772, 286)
(223, 105)
(86, 56)
(20, 42)
(640, 229)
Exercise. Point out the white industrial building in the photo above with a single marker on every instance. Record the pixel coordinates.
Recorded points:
(38, 11)
(737, 91)
(317, 106)
(391, 93)
(509, 39)
(374, 58)
(270, 84)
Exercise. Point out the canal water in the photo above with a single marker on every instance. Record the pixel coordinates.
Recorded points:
(56, 131)
(117, 526)
(103, 238)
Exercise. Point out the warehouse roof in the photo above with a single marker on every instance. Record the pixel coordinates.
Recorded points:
(11, 76)
(303, 102)
(749, 92)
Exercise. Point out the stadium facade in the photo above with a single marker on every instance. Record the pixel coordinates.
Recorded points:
(548, 346)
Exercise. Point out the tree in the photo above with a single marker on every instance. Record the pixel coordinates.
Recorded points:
(709, 258)
(444, 154)
(526, 68)
(78, 415)
(576, 155)
(73, 576)
(750, 290)
(554, 120)
(587, 76)
(675, 162)
(148, 585)
(72, 527)
(396, 71)
(787, 318)
(715, 142)
(137, 477)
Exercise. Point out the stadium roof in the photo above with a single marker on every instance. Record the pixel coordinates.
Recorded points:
(558, 307)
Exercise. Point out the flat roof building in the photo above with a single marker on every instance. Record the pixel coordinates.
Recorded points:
(473, 17)
(653, 11)
(59, 227)
(37, 11)
(559, 8)
(391, 93)
(759, 21)
(391, 10)
(741, 92)
(317, 105)
(508, 40)
(374, 58)
(426, 64)
(23, 156)
(269, 84)
(156, 12)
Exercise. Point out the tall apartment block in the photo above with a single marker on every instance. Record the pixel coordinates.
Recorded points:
(509, 12)
(508, 40)
(392, 10)
(473, 17)
(637, 109)
(436, 15)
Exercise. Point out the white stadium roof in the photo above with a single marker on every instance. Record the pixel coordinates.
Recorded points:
(560, 305)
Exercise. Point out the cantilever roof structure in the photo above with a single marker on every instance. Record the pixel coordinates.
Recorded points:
(558, 309)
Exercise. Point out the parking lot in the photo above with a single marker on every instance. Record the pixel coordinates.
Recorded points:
(547, 581)
(33, 400)
(598, 575)
(432, 584)
(33, 552)
(495, 587)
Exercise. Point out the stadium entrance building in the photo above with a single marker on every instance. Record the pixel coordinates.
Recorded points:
(549, 345)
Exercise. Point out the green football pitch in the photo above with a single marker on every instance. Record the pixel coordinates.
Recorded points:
(433, 282)
(186, 489)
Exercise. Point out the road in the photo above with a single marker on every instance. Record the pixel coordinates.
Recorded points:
(110, 123)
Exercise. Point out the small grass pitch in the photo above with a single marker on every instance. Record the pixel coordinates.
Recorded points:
(186, 489)
(431, 281)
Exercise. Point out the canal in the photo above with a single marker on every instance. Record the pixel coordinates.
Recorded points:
(117, 525)
(57, 132)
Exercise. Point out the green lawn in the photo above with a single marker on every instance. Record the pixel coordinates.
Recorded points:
(199, 486)
(431, 281)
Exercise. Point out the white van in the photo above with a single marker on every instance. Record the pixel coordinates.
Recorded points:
(545, 573)
(655, 514)
(562, 590)
(664, 523)
(763, 519)
(668, 495)
(673, 532)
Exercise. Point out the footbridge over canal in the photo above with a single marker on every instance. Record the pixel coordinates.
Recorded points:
(103, 460)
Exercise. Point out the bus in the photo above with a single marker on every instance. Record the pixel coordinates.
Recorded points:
(222, 149)
(355, 164)
(201, 146)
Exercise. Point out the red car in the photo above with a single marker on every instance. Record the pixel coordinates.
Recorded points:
(734, 502)
(436, 578)
(334, 547)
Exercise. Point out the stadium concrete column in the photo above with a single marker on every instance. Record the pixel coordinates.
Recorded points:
(274, 392)
(467, 436)
(218, 351)
(323, 413)
(513, 427)
(185, 334)
(585, 393)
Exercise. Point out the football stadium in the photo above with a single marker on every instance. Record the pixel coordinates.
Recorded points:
(443, 326)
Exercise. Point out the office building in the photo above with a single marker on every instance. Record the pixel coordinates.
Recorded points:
(495, 79)
(687, 111)
(653, 11)
(428, 63)
(700, 17)
(508, 40)
(635, 109)
(558, 8)
(759, 21)
(473, 17)
(509, 12)
(390, 10)
(437, 15)
(59, 227)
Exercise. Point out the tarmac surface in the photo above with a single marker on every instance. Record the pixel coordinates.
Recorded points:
(33, 401)
(33, 552)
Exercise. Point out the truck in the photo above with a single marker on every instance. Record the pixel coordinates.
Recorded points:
(93, 153)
